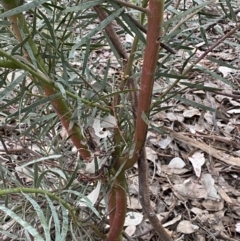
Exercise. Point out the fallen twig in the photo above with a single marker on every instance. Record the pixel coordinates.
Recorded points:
(218, 154)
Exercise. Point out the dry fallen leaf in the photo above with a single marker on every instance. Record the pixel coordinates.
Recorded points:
(99, 129)
(237, 227)
(187, 227)
(164, 142)
(208, 183)
(151, 154)
(133, 218)
(197, 160)
(173, 221)
(212, 205)
(130, 230)
(225, 70)
(190, 190)
(224, 195)
(191, 112)
(176, 162)
(109, 122)
(133, 203)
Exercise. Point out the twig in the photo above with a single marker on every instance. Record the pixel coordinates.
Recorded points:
(10, 159)
(211, 48)
(220, 155)
(226, 94)
(145, 200)
(170, 211)
(220, 19)
(131, 82)
(199, 59)
(47, 81)
(111, 33)
(226, 140)
(130, 5)
(185, 20)
(223, 236)
(144, 30)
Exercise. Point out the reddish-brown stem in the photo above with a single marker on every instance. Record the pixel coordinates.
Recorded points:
(111, 205)
(111, 33)
(13, 19)
(117, 199)
(130, 5)
(123, 54)
(73, 130)
(148, 72)
(120, 210)
(155, 18)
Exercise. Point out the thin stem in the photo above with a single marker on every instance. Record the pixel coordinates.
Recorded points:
(210, 49)
(130, 5)
(184, 20)
(199, 59)
(8, 64)
(145, 200)
(43, 192)
(144, 30)
(42, 77)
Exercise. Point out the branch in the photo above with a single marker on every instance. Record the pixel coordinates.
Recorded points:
(145, 199)
(155, 19)
(130, 5)
(199, 59)
(111, 33)
(118, 218)
(43, 192)
(144, 30)
(210, 49)
(8, 64)
(19, 62)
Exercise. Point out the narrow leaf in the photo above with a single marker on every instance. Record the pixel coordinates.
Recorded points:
(11, 86)
(41, 159)
(23, 223)
(102, 25)
(83, 6)
(22, 8)
(55, 218)
(182, 15)
(192, 103)
(222, 63)
(216, 76)
(41, 216)
(64, 223)
(200, 87)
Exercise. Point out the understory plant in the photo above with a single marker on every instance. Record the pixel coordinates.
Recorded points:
(57, 89)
